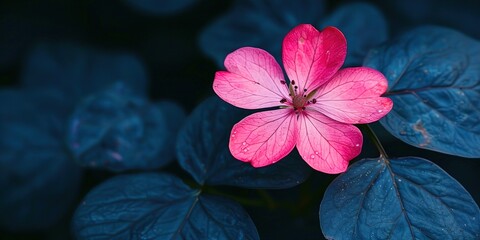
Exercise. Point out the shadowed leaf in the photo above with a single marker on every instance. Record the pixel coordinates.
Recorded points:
(202, 150)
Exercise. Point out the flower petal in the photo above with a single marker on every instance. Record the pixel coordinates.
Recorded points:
(264, 138)
(254, 79)
(353, 96)
(311, 57)
(325, 144)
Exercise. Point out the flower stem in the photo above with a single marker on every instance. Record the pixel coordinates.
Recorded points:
(373, 137)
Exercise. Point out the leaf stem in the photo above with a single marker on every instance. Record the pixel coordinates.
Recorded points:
(373, 137)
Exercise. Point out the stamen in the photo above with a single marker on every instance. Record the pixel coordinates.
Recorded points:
(311, 94)
(282, 82)
(283, 100)
(314, 100)
(291, 91)
(293, 82)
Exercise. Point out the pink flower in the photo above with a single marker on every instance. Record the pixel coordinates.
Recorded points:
(316, 108)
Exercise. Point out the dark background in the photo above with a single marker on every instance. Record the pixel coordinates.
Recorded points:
(179, 71)
(168, 43)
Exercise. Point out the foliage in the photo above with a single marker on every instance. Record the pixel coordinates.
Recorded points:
(109, 129)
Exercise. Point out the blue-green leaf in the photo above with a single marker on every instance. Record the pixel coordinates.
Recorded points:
(118, 131)
(434, 82)
(264, 24)
(202, 150)
(158, 206)
(404, 198)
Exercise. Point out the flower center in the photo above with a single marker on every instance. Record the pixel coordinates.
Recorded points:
(300, 98)
(299, 101)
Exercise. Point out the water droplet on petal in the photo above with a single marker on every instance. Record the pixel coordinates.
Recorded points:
(380, 110)
(244, 143)
(312, 156)
(316, 152)
(357, 145)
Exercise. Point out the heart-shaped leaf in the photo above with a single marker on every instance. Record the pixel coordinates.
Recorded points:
(158, 206)
(202, 150)
(434, 82)
(404, 198)
(264, 24)
(119, 131)
(364, 27)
